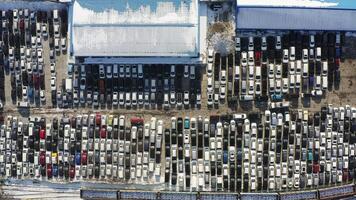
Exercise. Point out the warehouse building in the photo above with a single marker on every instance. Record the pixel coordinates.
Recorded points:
(117, 31)
(296, 15)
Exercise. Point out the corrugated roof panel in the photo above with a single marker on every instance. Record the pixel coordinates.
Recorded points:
(135, 41)
(135, 28)
(296, 19)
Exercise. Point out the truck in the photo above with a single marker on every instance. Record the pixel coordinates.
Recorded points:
(69, 85)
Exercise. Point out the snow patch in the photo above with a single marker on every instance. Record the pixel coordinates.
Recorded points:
(287, 3)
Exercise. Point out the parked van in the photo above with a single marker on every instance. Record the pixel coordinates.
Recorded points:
(324, 82)
(305, 70)
(318, 54)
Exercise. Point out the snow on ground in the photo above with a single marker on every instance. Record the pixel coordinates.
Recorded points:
(165, 13)
(28, 190)
(288, 3)
(32, 5)
(203, 22)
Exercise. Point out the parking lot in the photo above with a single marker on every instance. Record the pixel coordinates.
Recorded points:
(195, 105)
(220, 153)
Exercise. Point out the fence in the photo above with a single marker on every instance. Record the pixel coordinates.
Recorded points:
(325, 193)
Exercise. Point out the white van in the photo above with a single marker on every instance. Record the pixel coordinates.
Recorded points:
(324, 82)
(258, 73)
(291, 82)
(318, 83)
(166, 103)
(305, 55)
(325, 68)
(318, 54)
(305, 70)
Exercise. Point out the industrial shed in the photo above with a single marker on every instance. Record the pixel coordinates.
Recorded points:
(307, 15)
(124, 28)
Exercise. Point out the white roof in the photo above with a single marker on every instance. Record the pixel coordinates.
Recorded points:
(296, 19)
(157, 28)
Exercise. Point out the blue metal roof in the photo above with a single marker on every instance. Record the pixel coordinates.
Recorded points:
(323, 4)
(295, 19)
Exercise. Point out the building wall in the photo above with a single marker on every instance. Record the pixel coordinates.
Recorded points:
(295, 18)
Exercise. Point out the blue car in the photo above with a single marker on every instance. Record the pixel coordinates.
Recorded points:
(276, 97)
(55, 170)
(311, 80)
(77, 159)
(186, 123)
(225, 157)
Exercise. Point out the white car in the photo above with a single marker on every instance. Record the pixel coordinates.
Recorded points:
(210, 55)
(250, 44)
(210, 85)
(278, 42)
(285, 56)
(209, 70)
(264, 44)
(244, 59)
(64, 44)
(222, 92)
(53, 84)
(223, 77)
(24, 93)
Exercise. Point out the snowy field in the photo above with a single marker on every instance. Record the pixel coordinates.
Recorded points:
(27, 189)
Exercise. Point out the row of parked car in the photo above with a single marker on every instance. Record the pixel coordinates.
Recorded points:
(131, 86)
(22, 53)
(270, 152)
(276, 67)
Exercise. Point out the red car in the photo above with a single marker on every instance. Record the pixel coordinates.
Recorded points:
(316, 168)
(345, 175)
(103, 133)
(98, 119)
(42, 158)
(136, 121)
(42, 134)
(73, 122)
(257, 58)
(84, 157)
(49, 170)
(71, 172)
